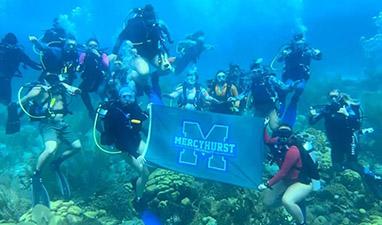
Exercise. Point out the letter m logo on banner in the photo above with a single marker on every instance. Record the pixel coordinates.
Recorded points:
(197, 143)
(213, 146)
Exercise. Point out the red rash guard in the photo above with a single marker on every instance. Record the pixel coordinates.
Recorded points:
(287, 166)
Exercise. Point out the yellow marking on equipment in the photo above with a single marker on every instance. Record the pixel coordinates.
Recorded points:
(135, 121)
(52, 102)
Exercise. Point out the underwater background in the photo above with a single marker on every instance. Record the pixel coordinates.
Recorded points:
(348, 32)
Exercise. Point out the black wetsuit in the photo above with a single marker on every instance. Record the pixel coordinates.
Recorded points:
(265, 91)
(342, 132)
(146, 37)
(224, 106)
(191, 55)
(58, 61)
(296, 72)
(93, 76)
(10, 58)
(55, 37)
(121, 129)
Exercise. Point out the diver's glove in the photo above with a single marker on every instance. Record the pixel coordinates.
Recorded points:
(263, 186)
(367, 130)
(71, 89)
(316, 185)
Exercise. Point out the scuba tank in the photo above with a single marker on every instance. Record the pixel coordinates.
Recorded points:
(307, 145)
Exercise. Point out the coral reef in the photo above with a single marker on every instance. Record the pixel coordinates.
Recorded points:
(12, 206)
(66, 213)
(172, 196)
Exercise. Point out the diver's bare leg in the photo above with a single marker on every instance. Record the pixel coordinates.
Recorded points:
(76, 148)
(47, 154)
(143, 174)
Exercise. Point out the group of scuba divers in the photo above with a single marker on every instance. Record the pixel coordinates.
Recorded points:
(138, 60)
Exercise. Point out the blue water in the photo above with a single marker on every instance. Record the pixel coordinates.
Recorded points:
(240, 30)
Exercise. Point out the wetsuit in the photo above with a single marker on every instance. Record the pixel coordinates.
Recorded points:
(289, 162)
(265, 91)
(191, 97)
(121, 128)
(94, 68)
(341, 131)
(222, 95)
(55, 37)
(10, 58)
(58, 61)
(296, 73)
(146, 37)
(191, 54)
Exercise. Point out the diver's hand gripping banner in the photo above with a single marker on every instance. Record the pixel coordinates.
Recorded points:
(207, 145)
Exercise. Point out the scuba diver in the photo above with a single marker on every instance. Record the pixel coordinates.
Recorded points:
(225, 93)
(62, 62)
(46, 102)
(146, 33)
(190, 94)
(131, 67)
(297, 57)
(189, 51)
(94, 66)
(293, 182)
(234, 75)
(55, 36)
(11, 56)
(122, 125)
(342, 117)
(265, 91)
(245, 85)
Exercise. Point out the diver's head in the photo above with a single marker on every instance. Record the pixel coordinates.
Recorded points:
(221, 77)
(56, 23)
(298, 42)
(283, 132)
(192, 77)
(127, 95)
(335, 96)
(197, 36)
(92, 43)
(10, 38)
(234, 69)
(148, 14)
(256, 67)
(70, 46)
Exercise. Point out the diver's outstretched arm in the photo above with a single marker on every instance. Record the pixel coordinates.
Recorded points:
(315, 116)
(37, 43)
(31, 94)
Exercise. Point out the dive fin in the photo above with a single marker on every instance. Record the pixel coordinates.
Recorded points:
(39, 193)
(63, 184)
(13, 120)
(374, 183)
